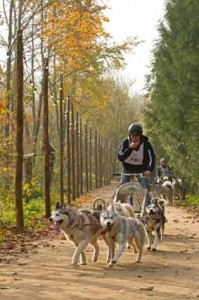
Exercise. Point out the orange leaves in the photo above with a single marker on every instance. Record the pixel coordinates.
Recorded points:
(73, 30)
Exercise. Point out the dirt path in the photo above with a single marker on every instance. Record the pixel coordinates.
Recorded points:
(169, 273)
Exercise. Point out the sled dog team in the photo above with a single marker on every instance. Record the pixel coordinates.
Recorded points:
(115, 223)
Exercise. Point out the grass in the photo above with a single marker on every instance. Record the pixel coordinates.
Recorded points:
(192, 200)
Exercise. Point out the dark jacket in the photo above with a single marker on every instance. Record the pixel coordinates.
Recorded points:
(137, 160)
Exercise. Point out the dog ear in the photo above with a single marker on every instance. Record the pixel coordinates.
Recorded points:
(57, 205)
(111, 207)
(162, 202)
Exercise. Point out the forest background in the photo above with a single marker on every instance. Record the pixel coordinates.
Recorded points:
(61, 50)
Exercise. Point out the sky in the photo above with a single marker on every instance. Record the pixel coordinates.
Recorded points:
(135, 18)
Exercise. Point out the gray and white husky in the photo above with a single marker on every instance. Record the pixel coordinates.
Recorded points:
(80, 227)
(121, 230)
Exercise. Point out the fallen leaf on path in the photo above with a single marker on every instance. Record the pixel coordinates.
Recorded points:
(176, 221)
(22, 263)
(183, 250)
(192, 236)
(188, 217)
(149, 288)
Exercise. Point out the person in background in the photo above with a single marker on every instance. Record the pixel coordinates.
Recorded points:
(137, 156)
(164, 171)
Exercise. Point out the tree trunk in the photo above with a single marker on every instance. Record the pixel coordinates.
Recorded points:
(61, 143)
(46, 140)
(19, 136)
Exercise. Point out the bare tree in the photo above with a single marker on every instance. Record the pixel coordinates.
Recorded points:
(19, 137)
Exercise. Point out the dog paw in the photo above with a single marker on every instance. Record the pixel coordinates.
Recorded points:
(110, 265)
(153, 249)
(148, 248)
(75, 265)
(137, 261)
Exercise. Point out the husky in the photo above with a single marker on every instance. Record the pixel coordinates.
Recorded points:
(154, 221)
(122, 209)
(179, 190)
(80, 227)
(122, 230)
(164, 189)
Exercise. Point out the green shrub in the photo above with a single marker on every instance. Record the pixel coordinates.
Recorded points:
(193, 200)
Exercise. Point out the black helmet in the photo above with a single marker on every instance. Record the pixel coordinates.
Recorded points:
(135, 129)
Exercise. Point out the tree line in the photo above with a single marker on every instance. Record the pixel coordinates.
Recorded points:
(172, 110)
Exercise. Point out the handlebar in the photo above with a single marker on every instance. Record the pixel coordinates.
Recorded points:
(140, 175)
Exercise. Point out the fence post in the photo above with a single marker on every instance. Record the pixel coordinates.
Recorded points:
(61, 142)
(96, 161)
(81, 158)
(86, 156)
(77, 156)
(73, 156)
(90, 159)
(68, 154)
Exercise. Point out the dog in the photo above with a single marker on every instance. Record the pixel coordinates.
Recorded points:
(179, 190)
(164, 189)
(80, 227)
(122, 230)
(122, 209)
(154, 221)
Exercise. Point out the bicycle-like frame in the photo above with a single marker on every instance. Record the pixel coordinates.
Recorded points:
(145, 191)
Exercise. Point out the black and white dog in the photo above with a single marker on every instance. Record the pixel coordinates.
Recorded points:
(154, 221)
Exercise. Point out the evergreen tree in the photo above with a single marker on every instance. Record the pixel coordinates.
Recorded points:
(173, 111)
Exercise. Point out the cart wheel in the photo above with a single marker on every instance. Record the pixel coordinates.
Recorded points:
(137, 200)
